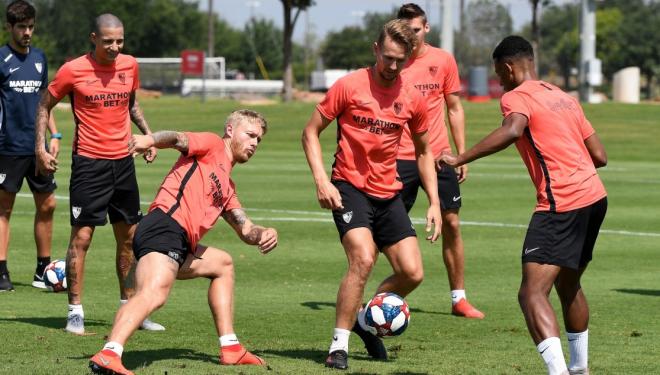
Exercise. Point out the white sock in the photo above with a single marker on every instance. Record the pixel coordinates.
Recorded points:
(457, 295)
(340, 340)
(578, 344)
(228, 340)
(76, 310)
(115, 347)
(550, 350)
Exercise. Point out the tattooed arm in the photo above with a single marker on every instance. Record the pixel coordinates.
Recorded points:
(162, 139)
(46, 162)
(250, 233)
(138, 119)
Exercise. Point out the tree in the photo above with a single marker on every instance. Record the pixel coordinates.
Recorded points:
(536, 34)
(288, 7)
(486, 24)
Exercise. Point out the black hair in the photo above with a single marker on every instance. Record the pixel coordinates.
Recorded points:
(20, 11)
(513, 47)
(410, 11)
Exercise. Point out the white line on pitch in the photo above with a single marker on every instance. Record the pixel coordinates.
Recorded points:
(414, 220)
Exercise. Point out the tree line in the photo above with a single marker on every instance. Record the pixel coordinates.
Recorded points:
(627, 35)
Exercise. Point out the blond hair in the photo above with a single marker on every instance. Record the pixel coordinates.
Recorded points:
(400, 33)
(248, 115)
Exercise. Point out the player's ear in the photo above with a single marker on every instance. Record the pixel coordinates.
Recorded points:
(229, 129)
(8, 27)
(375, 48)
(92, 37)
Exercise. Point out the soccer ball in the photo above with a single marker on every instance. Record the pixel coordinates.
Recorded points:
(55, 276)
(387, 314)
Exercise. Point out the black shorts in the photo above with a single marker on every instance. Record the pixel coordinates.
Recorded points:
(386, 218)
(158, 232)
(564, 239)
(448, 189)
(13, 169)
(101, 188)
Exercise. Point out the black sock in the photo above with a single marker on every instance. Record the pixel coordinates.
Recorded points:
(3, 266)
(42, 262)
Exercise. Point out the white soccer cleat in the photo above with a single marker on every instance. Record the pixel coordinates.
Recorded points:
(148, 325)
(75, 324)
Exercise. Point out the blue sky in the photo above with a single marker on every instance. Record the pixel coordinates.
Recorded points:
(329, 15)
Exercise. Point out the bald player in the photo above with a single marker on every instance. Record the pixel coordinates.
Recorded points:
(102, 87)
(561, 151)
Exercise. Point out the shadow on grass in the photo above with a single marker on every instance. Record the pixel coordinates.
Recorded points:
(134, 359)
(52, 322)
(314, 356)
(315, 305)
(642, 292)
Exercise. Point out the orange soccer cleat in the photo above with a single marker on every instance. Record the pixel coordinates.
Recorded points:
(107, 362)
(464, 309)
(238, 355)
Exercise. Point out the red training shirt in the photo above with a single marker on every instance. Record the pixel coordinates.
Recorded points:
(370, 121)
(100, 97)
(553, 148)
(198, 188)
(434, 74)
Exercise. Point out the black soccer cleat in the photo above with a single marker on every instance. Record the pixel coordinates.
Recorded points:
(5, 283)
(337, 359)
(373, 344)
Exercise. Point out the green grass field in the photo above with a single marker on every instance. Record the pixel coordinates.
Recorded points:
(284, 308)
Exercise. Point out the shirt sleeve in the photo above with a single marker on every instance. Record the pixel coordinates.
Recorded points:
(452, 80)
(513, 102)
(419, 121)
(335, 101)
(586, 129)
(62, 84)
(201, 143)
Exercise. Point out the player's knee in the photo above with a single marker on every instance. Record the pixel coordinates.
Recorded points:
(451, 225)
(224, 266)
(46, 208)
(361, 265)
(415, 277)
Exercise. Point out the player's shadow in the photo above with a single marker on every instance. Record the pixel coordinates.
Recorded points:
(56, 322)
(316, 356)
(642, 292)
(134, 359)
(315, 305)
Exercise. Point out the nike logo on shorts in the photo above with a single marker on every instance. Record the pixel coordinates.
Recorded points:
(527, 251)
(456, 199)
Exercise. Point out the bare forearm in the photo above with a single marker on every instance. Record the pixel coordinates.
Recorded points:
(313, 153)
(428, 175)
(41, 123)
(246, 230)
(52, 127)
(457, 126)
(170, 139)
(496, 141)
(137, 116)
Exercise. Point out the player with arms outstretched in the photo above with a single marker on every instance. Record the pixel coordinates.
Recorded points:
(561, 151)
(195, 193)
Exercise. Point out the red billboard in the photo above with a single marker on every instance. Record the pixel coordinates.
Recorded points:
(192, 62)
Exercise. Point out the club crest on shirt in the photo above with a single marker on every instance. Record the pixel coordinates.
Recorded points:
(122, 78)
(347, 216)
(39, 66)
(397, 107)
(76, 210)
(2, 177)
(433, 70)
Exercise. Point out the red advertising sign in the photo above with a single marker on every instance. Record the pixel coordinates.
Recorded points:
(192, 62)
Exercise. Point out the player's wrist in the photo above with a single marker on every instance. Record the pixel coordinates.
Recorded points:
(56, 135)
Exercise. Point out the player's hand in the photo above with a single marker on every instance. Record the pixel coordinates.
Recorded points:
(268, 240)
(150, 155)
(329, 196)
(54, 147)
(46, 163)
(448, 159)
(139, 144)
(433, 221)
(462, 172)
